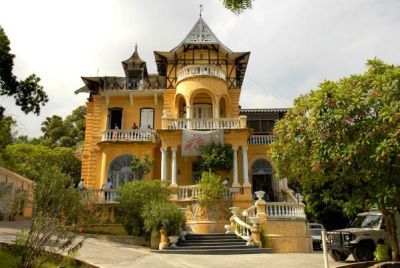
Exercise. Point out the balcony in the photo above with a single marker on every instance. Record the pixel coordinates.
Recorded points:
(201, 70)
(285, 211)
(192, 192)
(261, 139)
(204, 124)
(129, 135)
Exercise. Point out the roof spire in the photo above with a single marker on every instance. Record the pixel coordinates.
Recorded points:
(201, 9)
(135, 46)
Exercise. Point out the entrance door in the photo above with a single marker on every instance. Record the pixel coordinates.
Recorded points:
(264, 183)
(202, 111)
(147, 118)
(262, 176)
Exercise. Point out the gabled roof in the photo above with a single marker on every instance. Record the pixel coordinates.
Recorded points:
(201, 34)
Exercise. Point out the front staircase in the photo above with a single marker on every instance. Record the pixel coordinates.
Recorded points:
(213, 244)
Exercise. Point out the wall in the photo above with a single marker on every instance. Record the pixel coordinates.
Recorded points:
(19, 183)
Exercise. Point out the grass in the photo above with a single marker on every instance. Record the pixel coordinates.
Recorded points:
(7, 260)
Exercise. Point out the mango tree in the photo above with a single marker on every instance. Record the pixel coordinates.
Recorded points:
(343, 140)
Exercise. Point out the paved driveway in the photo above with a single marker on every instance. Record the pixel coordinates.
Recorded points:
(110, 254)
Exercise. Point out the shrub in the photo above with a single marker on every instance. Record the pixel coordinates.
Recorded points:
(56, 205)
(211, 188)
(157, 214)
(141, 167)
(216, 157)
(133, 196)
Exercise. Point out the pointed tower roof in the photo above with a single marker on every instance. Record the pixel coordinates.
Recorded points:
(201, 34)
(134, 59)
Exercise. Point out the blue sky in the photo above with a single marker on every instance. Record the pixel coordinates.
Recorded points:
(294, 44)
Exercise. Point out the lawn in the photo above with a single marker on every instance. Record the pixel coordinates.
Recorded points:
(7, 260)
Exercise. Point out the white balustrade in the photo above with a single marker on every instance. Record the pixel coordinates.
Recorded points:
(203, 124)
(192, 192)
(262, 139)
(248, 213)
(242, 228)
(188, 192)
(283, 210)
(100, 196)
(128, 135)
(200, 70)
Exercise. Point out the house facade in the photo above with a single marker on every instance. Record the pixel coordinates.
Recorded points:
(195, 92)
(192, 100)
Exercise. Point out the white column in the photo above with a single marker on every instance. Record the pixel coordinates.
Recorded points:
(235, 168)
(163, 163)
(188, 116)
(216, 110)
(245, 167)
(173, 167)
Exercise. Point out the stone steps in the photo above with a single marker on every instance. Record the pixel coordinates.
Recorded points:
(214, 244)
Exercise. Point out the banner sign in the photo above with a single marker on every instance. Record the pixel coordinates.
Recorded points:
(192, 140)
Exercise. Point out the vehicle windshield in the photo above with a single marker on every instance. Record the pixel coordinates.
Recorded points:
(315, 232)
(366, 221)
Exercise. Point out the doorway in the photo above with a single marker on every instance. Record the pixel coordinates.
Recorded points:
(263, 180)
(202, 111)
(115, 118)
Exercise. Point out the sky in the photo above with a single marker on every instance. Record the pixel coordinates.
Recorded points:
(294, 44)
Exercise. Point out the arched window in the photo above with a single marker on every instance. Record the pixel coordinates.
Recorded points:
(120, 171)
(261, 166)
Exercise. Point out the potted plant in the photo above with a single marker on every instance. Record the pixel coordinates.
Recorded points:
(163, 214)
(204, 212)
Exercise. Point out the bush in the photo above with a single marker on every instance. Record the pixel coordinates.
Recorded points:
(216, 157)
(133, 196)
(56, 205)
(157, 214)
(211, 188)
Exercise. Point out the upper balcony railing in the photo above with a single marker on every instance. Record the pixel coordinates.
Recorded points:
(120, 84)
(261, 139)
(200, 70)
(204, 124)
(129, 135)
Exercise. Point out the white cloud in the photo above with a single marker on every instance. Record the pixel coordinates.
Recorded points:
(295, 44)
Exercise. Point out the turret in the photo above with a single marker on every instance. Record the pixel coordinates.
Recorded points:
(135, 70)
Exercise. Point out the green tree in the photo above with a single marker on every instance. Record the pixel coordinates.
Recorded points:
(6, 131)
(211, 189)
(28, 94)
(141, 167)
(343, 139)
(32, 160)
(216, 157)
(133, 196)
(238, 6)
(66, 133)
(56, 206)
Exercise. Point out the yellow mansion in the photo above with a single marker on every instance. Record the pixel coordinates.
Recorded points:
(197, 88)
(191, 100)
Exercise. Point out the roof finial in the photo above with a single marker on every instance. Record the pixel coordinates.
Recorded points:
(135, 46)
(201, 9)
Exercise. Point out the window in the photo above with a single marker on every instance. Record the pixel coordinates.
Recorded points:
(262, 126)
(147, 118)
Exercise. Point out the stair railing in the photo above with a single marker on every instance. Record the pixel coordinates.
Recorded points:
(239, 227)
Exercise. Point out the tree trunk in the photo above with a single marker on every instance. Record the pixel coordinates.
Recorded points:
(391, 228)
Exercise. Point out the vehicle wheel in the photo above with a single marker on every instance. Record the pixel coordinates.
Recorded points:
(338, 255)
(363, 253)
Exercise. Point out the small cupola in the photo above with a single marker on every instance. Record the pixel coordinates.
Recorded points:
(135, 68)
